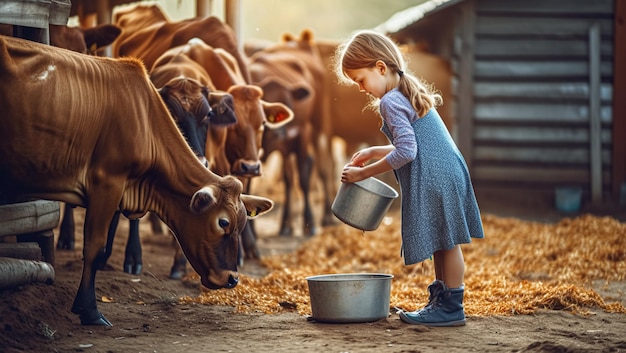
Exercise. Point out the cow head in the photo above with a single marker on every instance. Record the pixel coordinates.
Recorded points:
(243, 140)
(191, 106)
(224, 211)
(237, 149)
(284, 78)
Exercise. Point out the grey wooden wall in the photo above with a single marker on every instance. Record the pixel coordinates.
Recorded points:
(534, 92)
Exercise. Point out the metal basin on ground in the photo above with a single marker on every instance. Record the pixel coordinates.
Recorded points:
(350, 297)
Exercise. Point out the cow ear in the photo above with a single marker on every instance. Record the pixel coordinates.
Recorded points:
(202, 200)
(256, 205)
(223, 109)
(277, 114)
(101, 36)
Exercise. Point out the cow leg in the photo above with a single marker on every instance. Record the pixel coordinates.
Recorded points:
(133, 256)
(247, 247)
(66, 232)
(305, 167)
(155, 222)
(179, 268)
(326, 169)
(288, 177)
(248, 242)
(110, 238)
(95, 256)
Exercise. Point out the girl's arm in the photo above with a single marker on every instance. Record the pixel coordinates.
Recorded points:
(356, 170)
(365, 155)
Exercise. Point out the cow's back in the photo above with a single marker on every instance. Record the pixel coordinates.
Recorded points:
(304, 52)
(150, 41)
(61, 117)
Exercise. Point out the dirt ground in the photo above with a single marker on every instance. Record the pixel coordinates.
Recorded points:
(147, 317)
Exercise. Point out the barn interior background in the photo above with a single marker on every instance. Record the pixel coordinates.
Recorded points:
(536, 84)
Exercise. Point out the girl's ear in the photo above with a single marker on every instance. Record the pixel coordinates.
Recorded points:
(381, 67)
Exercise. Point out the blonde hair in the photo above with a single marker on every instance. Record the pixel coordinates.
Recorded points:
(367, 47)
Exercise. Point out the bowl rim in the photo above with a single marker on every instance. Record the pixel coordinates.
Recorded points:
(337, 277)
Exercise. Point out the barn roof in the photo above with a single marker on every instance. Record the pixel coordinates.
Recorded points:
(402, 19)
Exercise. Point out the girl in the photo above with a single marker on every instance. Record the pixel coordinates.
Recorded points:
(439, 208)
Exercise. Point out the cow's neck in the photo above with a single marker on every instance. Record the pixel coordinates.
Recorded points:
(170, 180)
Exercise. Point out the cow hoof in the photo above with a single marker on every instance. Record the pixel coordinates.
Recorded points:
(65, 245)
(309, 232)
(286, 232)
(177, 274)
(100, 321)
(133, 269)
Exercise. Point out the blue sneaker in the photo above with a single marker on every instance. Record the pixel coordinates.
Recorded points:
(445, 308)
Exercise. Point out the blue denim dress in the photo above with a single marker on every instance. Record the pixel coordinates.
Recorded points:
(439, 207)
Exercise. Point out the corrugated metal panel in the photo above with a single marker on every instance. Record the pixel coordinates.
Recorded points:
(531, 91)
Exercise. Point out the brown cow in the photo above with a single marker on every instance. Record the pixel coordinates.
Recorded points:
(112, 147)
(188, 88)
(235, 150)
(81, 40)
(238, 148)
(194, 108)
(293, 72)
(147, 33)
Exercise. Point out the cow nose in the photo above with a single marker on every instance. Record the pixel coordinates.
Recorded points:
(251, 168)
(223, 223)
(232, 281)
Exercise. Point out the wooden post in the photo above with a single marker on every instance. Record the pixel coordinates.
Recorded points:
(105, 14)
(104, 11)
(465, 90)
(619, 103)
(203, 8)
(233, 19)
(595, 124)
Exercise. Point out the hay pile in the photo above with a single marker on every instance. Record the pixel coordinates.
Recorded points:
(518, 268)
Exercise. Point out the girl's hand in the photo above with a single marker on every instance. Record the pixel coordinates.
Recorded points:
(360, 158)
(352, 174)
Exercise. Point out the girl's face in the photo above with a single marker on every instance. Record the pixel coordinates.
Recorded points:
(371, 80)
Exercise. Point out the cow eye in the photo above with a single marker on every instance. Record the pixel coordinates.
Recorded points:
(224, 223)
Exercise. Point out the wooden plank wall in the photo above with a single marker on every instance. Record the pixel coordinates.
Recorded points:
(619, 103)
(532, 95)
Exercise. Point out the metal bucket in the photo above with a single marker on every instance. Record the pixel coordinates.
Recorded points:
(363, 204)
(350, 298)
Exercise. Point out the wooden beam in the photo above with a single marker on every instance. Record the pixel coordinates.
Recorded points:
(105, 12)
(204, 8)
(464, 94)
(595, 124)
(233, 19)
(619, 103)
